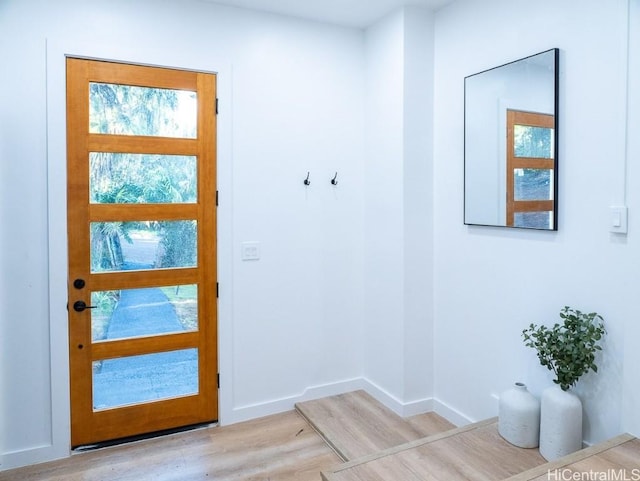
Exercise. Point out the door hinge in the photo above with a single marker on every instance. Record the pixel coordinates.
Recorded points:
(217, 290)
(218, 380)
(217, 196)
(217, 106)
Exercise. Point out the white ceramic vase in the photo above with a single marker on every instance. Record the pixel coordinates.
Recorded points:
(560, 423)
(519, 417)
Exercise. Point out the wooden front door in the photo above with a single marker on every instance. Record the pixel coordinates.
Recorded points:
(141, 193)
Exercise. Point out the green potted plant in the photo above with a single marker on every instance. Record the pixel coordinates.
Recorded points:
(568, 349)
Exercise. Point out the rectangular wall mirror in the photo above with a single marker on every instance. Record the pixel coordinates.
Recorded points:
(511, 144)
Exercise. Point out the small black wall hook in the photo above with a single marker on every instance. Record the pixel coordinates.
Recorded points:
(307, 181)
(334, 181)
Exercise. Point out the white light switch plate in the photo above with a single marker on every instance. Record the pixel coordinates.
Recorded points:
(618, 219)
(250, 251)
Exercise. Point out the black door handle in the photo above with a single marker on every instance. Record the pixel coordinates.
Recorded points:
(80, 306)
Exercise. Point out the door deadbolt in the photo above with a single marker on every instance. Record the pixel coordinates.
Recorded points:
(80, 306)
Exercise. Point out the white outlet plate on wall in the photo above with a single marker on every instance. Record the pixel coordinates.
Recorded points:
(250, 251)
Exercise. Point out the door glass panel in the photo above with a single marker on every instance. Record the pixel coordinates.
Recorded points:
(130, 110)
(141, 178)
(126, 246)
(148, 377)
(143, 312)
(535, 142)
(533, 220)
(532, 184)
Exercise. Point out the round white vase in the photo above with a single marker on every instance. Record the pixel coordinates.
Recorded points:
(519, 417)
(560, 423)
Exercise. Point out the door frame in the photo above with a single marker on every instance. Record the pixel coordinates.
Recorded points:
(55, 53)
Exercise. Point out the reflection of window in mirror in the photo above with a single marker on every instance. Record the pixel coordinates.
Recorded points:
(530, 165)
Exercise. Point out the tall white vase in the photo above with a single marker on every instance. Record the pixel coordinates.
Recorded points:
(519, 416)
(560, 423)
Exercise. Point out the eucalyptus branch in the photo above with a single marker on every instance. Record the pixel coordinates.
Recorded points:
(567, 349)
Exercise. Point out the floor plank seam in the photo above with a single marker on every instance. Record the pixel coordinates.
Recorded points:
(322, 436)
(413, 444)
(571, 458)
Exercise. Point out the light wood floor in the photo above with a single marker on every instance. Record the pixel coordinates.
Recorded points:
(285, 447)
(617, 458)
(476, 452)
(282, 447)
(357, 425)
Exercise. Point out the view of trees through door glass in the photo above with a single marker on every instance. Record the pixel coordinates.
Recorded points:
(131, 178)
(131, 110)
(142, 178)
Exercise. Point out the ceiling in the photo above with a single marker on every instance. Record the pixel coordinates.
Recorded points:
(350, 13)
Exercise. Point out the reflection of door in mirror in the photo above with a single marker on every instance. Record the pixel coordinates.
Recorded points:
(530, 163)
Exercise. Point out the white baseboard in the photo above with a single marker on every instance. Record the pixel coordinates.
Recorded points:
(451, 414)
(37, 455)
(420, 406)
(276, 406)
(404, 409)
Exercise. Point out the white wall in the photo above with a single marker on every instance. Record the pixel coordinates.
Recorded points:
(384, 226)
(398, 209)
(492, 282)
(631, 399)
(418, 207)
(291, 102)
